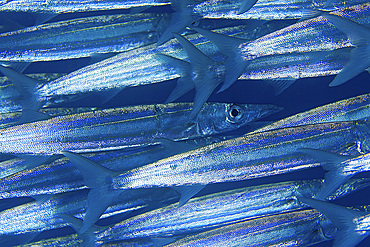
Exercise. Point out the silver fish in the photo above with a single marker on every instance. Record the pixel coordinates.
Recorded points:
(316, 34)
(216, 210)
(300, 228)
(66, 6)
(355, 108)
(117, 128)
(264, 9)
(132, 68)
(81, 37)
(32, 218)
(19, 179)
(250, 156)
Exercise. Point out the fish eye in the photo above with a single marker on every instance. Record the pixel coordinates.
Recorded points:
(235, 113)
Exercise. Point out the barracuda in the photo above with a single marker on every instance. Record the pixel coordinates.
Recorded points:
(67, 6)
(301, 228)
(32, 218)
(81, 37)
(118, 128)
(355, 108)
(140, 66)
(215, 210)
(61, 176)
(263, 9)
(312, 35)
(12, 118)
(250, 156)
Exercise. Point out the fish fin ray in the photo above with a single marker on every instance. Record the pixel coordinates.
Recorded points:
(246, 5)
(187, 192)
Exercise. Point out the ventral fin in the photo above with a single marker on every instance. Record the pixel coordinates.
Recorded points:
(205, 80)
(235, 65)
(187, 192)
(98, 200)
(94, 174)
(26, 86)
(41, 18)
(279, 85)
(246, 5)
(184, 83)
(29, 116)
(334, 176)
(181, 18)
(176, 147)
(342, 218)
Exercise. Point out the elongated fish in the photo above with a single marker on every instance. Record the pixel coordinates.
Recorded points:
(339, 168)
(264, 9)
(353, 225)
(355, 108)
(299, 228)
(140, 66)
(28, 220)
(119, 128)
(57, 6)
(250, 156)
(19, 179)
(81, 37)
(215, 210)
(315, 34)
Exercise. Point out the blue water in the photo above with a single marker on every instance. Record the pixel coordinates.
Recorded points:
(302, 95)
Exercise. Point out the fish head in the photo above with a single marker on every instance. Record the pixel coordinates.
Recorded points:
(222, 117)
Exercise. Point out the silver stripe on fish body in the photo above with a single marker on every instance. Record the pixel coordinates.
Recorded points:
(264, 9)
(119, 128)
(219, 209)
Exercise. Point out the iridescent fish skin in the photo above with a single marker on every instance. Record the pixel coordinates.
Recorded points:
(296, 65)
(264, 9)
(81, 37)
(355, 108)
(118, 128)
(38, 216)
(67, 6)
(9, 96)
(250, 156)
(315, 34)
(299, 228)
(138, 67)
(218, 209)
(61, 176)
(11, 118)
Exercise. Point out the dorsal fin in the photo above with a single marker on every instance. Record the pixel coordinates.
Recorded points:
(235, 65)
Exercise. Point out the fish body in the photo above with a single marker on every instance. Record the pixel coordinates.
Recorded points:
(38, 216)
(355, 108)
(264, 9)
(140, 66)
(299, 228)
(81, 37)
(57, 6)
(18, 179)
(250, 156)
(315, 34)
(121, 128)
(215, 210)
